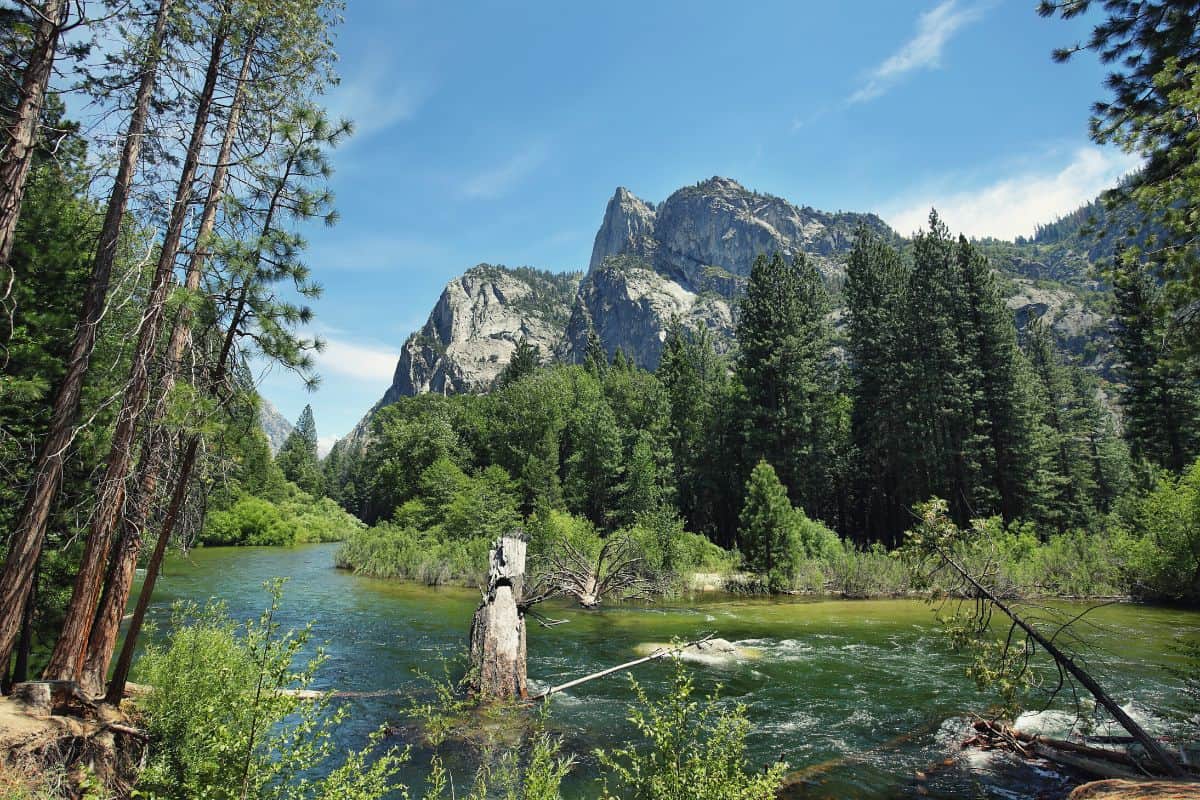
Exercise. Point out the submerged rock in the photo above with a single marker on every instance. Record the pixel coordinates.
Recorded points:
(712, 651)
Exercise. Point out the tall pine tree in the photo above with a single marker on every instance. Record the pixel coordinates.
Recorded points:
(789, 416)
(298, 455)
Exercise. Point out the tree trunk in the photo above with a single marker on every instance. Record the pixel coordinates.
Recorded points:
(21, 134)
(30, 531)
(116, 686)
(103, 638)
(498, 627)
(1153, 748)
(67, 659)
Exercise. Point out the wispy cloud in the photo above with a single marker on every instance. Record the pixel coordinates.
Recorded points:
(373, 251)
(498, 180)
(377, 95)
(922, 51)
(357, 361)
(1013, 206)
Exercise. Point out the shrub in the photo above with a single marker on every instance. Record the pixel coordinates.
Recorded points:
(693, 749)
(222, 725)
(1166, 558)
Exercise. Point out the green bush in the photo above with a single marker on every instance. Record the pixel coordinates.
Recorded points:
(294, 519)
(222, 726)
(693, 749)
(388, 550)
(1166, 557)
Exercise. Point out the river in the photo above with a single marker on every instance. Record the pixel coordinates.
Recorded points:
(864, 691)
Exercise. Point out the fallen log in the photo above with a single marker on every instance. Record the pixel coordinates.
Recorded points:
(619, 668)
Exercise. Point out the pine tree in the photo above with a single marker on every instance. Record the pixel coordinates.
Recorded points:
(876, 285)
(593, 467)
(1005, 409)
(784, 367)
(642, 491)
(298, 456)
(1161, 400)
(696, 383)
(525, 359)
(1067, 485)
(768, 536)
(595, 360)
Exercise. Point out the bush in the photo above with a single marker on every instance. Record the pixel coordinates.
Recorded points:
(693, 749)
(388, 550)
(295, 519)
(222, 726)
(1166, 557)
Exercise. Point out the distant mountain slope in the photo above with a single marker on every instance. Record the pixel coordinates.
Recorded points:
(689, 257)
(273, 424)
(476, 325)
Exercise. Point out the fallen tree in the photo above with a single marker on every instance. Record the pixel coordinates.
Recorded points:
(931, 550)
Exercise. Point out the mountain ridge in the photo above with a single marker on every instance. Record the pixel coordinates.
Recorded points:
(688, 256)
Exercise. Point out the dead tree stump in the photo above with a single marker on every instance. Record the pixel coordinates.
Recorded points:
(498, 627)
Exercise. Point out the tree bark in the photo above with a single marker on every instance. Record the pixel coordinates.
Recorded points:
(120, 676)
(30, 531)
(498, 627)
(21, 134)
(102, 640)
(67, 659)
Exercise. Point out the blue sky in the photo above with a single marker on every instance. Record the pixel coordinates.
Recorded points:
(497, 132)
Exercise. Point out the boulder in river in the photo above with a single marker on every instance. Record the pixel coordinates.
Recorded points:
(710, 651)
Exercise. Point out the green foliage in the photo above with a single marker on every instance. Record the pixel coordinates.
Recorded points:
(297, 458)
(790, 414)
(769, 535)
(295, 518)
(390, 550)
(223, 726)
(524, 361)
(692, 749)
(1167, 555)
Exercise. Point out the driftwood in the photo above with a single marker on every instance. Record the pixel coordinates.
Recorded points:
(1098, 761)
(936, 524)
(620, 667)
(618, 570)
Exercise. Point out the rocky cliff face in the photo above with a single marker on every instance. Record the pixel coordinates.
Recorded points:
(719, 226)
(629, 306)
(273, 424)
(476, 325)
(689, 256)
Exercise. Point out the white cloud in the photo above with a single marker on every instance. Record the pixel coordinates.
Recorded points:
(356, 361)
(923, 51)
(1013, 206)
(377, 95)
(498, 180)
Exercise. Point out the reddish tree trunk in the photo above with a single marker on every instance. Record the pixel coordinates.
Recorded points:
(103, 638)
(21, 134)
(67, 659)
(30, 531)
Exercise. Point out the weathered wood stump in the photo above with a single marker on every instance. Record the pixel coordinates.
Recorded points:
(34, 698)
(498, 627)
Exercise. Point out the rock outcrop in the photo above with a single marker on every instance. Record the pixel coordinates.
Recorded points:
(689, 257)
(273, 424)
(476, 325)
(630, 306)
(719, 224)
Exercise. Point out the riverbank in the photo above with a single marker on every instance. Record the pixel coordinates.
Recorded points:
(836, 681)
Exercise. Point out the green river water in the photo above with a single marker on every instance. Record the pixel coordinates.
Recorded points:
(866, 691)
